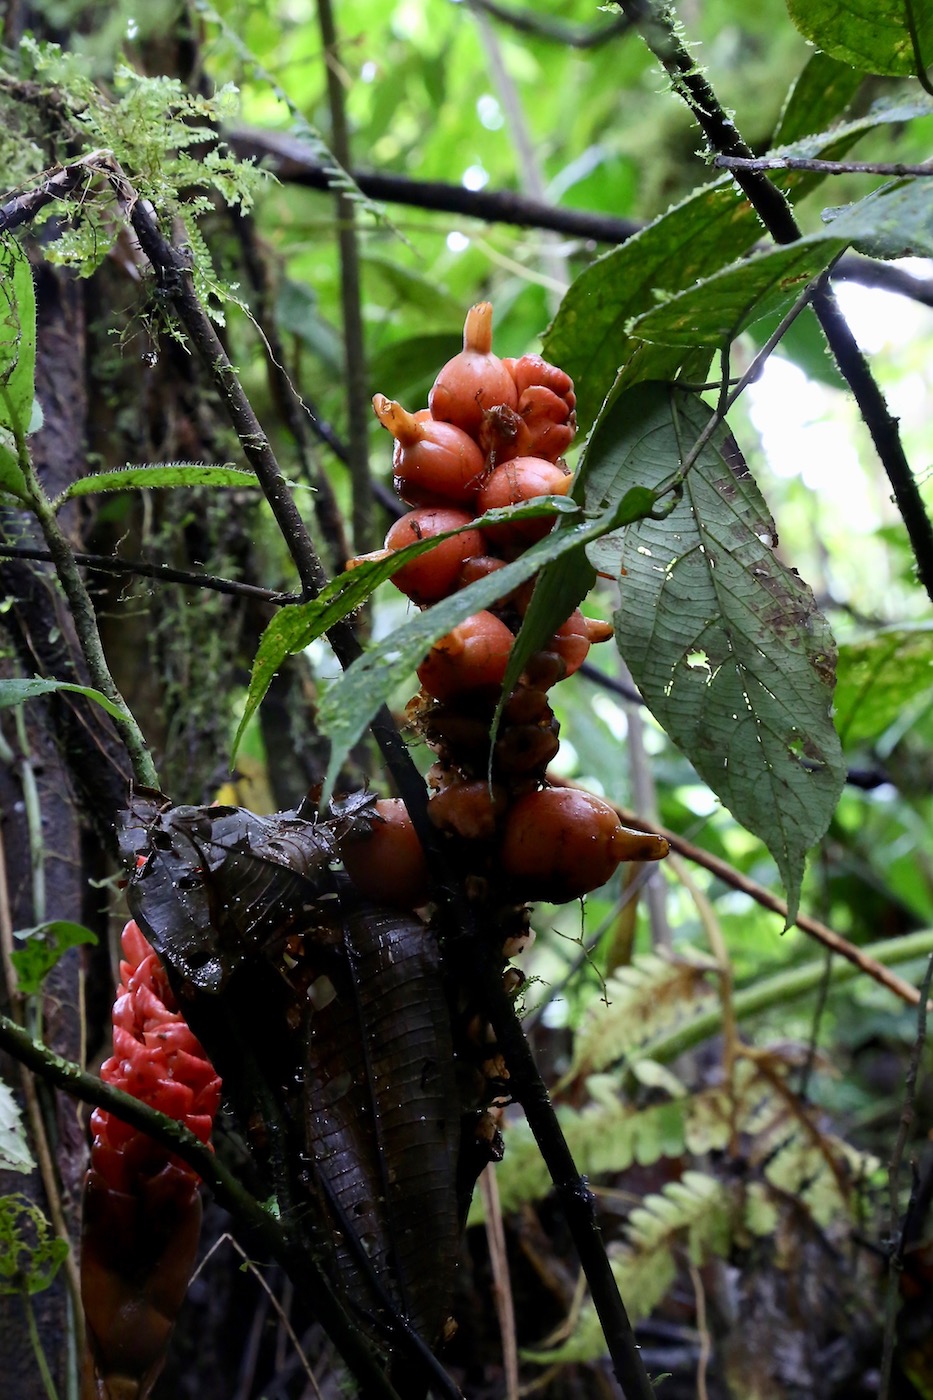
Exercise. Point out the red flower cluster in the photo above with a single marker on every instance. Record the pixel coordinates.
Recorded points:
(142, 1212)
(157, 1060)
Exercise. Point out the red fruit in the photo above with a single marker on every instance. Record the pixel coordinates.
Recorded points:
(572, 640)
(432, 461)
(522, 479)
(533, 370)
(473, 656)
(475, 380)
(437, 572)
(387, 863)
(549, 430)
(559, 843)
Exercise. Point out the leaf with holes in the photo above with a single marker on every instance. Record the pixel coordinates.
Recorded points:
(725, 643)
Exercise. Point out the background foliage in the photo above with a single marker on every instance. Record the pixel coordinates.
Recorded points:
(734, 1092)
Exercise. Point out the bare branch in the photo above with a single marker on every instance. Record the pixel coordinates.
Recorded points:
(820, 167)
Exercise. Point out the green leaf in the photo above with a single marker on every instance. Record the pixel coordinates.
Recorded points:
(874, 38)
(880, 678)
(717, 309)
(151, 478)
(15, 1155)
(695, 239)
(43, 948)
(17, 337)
(893, 222)
(299, 624)
(724, 642)
(351, 702)
(821, 93)
(14, 692)
(588, 337)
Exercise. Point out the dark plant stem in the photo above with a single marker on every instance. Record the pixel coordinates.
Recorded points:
(357, 385)
(85, 620)
(570, 36)
(775, 213)
(572, 1190)
(225, 1187)
(291, 163)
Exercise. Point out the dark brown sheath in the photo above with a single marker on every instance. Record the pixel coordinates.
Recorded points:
(327, 1018)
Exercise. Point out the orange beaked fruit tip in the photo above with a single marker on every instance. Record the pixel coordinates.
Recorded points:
(403, 426)
(477, 328)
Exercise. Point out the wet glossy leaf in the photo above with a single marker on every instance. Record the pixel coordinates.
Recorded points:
(14, 692)
(873, 38)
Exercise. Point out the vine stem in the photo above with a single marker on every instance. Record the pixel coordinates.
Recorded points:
(771, 205)
(84, 616)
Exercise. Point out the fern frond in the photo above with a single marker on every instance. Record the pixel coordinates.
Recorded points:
(695, 1214)
(652, 994)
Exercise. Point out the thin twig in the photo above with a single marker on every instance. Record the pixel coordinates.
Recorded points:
(775, 212)
(501, 1281)
(572, 1191)
(570, 36)
(161, 573)
(821, 167)
(227, 1238)
(908, 1113)
(291, 163)
(728, 397)
(706, 1341)
(84, 617)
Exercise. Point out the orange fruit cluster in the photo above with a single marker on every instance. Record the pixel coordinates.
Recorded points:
(493, 435)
